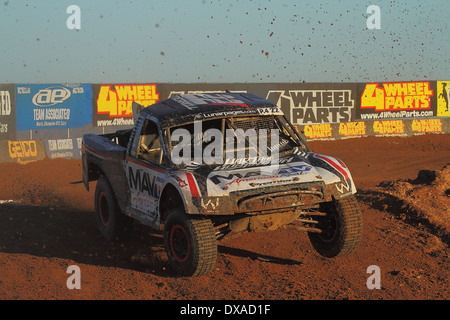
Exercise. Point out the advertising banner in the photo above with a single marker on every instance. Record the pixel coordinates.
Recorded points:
(389, 127)
(443, 97)
(399, 100)
(311, 103)
(63, 148)
(352, 129)
(379, 128)
(53, 106)
(426, 126)
(21, 151)
(7, 112)
(112, 103)
(332, 131)
(318, 131)
(170, 90)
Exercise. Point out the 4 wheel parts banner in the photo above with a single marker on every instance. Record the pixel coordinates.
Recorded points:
(111, 103)
(396, 100)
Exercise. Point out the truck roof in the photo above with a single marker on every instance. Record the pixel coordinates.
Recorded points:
(186, 108)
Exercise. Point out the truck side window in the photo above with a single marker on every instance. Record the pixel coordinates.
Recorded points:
(149, 147)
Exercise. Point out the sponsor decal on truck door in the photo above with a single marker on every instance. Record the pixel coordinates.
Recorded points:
(145, 183)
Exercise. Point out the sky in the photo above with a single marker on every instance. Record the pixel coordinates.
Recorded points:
(226, 41)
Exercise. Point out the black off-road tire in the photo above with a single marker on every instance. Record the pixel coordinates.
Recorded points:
(341, 228)
(190, 243)
(110, 220)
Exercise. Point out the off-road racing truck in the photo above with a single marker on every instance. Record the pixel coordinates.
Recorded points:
(202, 167)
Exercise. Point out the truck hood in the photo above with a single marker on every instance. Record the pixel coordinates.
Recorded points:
(298, 169)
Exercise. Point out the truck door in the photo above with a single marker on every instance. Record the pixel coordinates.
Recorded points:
(145, 173)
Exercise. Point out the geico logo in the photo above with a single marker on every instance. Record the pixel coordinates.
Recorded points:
(22, 149)
(5, 103)
(50, 96)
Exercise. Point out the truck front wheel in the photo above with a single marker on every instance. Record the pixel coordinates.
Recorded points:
(190, 244)
(110, 220)
(341, 228)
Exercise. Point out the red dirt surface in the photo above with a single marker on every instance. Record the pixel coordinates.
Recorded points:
(403, 192)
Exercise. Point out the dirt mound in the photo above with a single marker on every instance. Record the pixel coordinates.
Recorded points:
(424, 201)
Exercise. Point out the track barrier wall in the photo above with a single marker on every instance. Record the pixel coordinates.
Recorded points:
(39, 121)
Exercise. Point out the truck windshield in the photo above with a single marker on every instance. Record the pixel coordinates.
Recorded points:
(239, 140)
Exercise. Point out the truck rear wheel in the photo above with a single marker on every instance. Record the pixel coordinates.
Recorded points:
(190, 244)
(110, 220)
(341, 228)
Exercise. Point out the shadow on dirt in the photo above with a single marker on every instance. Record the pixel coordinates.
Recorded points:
(71, 234)
(255, 256)
(424, 177)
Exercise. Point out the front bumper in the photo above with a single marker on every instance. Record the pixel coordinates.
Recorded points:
(272, 199)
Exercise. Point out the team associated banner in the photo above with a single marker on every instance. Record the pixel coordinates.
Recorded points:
(7, 112)
(63, 148)
(311, 103)
(396, 100)
(112, 103)
(53, 106)
(443, 97)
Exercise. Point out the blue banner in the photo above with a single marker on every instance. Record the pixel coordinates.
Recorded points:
(53, 106)
(63, 148)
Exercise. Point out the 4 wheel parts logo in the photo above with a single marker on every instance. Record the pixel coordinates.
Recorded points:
(113, 103)
(396, 100)
(314, 106)
(351, 129)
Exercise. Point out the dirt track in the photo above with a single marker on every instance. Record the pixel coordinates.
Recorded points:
(54, 227)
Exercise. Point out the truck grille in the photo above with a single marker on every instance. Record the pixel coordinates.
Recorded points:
(274, 199)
